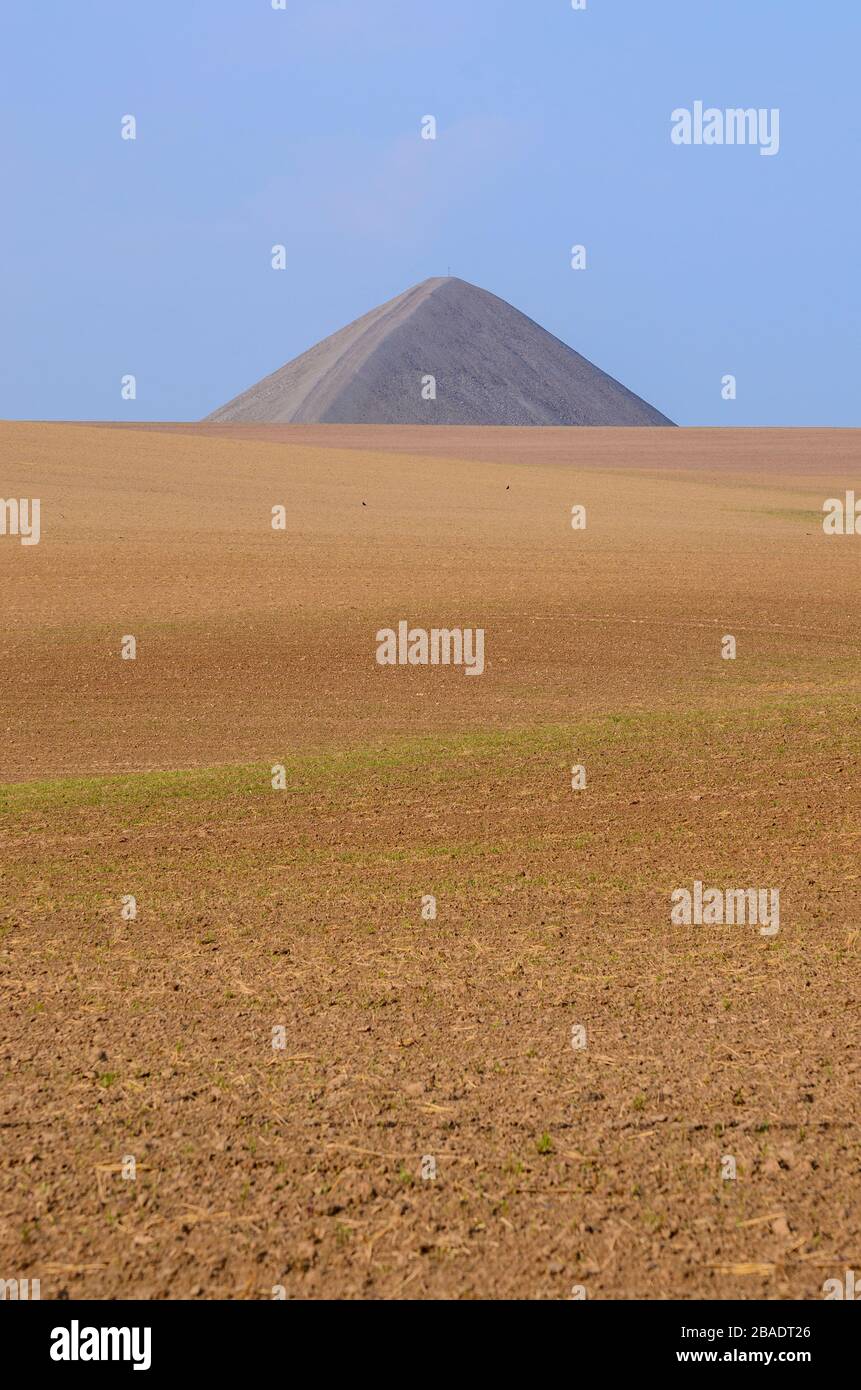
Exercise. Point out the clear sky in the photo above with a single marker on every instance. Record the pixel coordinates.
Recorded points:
(302, 126)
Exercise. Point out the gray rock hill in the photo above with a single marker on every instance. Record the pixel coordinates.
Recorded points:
(492, 366)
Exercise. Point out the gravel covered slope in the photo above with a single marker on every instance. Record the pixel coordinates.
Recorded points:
(492, 366)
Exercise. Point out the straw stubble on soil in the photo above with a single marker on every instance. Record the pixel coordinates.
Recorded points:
(404, 1037)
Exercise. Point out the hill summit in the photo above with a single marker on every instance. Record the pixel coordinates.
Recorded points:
(444, 352)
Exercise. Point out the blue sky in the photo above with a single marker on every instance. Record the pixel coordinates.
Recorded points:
(301, 127)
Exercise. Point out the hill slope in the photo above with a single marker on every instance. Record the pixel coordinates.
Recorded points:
(492, 366)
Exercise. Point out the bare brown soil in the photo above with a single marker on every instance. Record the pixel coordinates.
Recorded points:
(260, 909)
